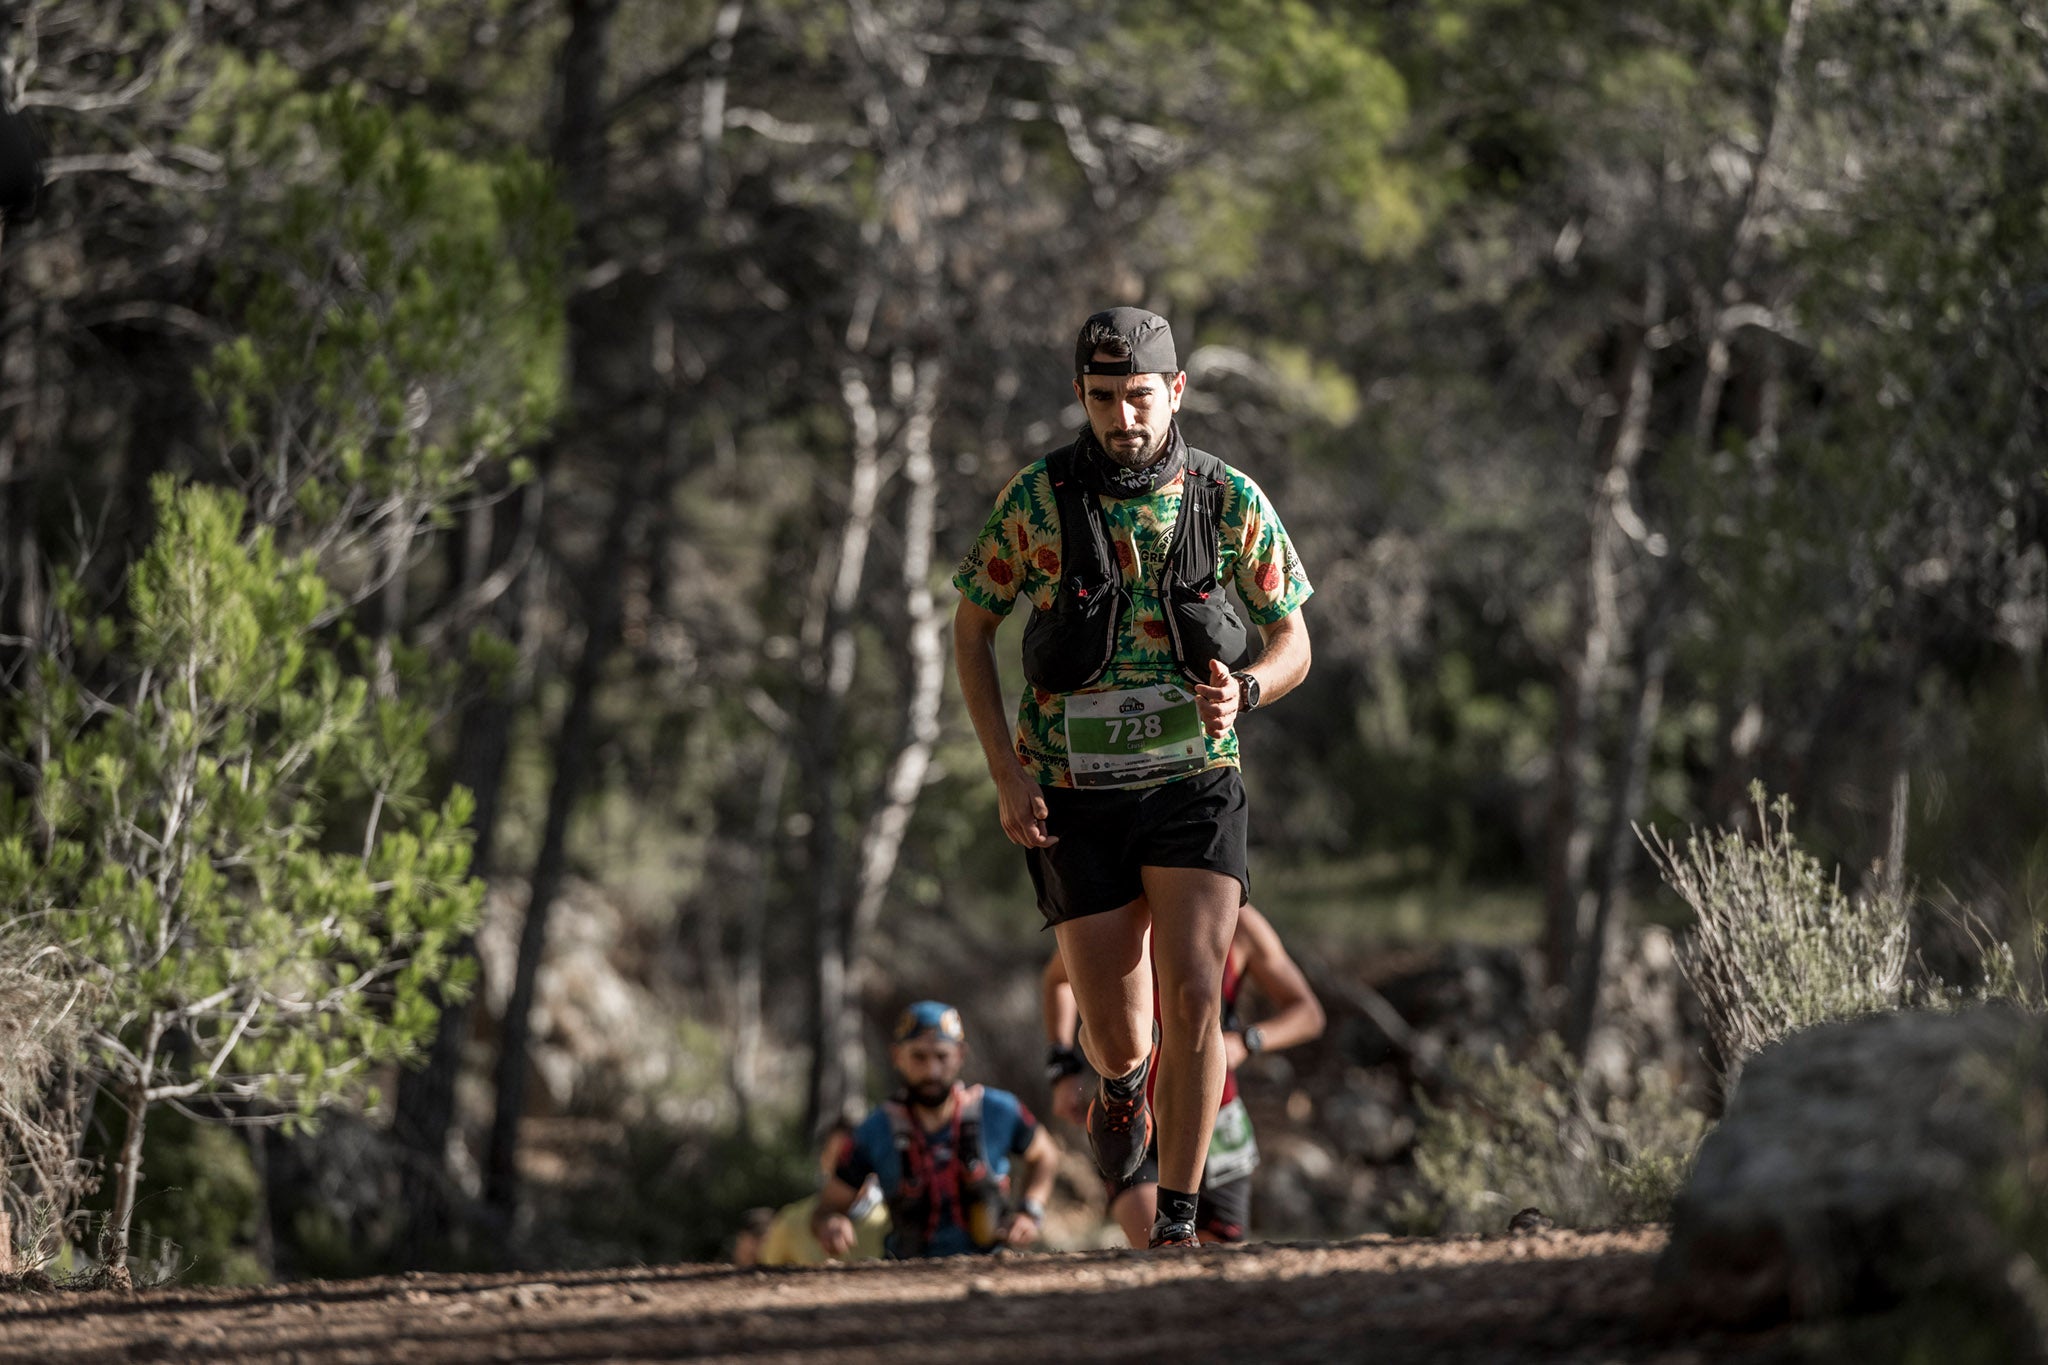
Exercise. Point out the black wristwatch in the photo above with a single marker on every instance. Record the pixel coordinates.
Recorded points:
(1247, 691)
(1254, 1041)
(1062, 1061)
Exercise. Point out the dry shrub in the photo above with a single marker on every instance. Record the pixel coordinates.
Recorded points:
(43, 1178)
(1968, 955)
(1778, 946)
(1519, 1134)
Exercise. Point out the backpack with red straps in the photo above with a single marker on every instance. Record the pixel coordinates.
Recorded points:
(926, 1188)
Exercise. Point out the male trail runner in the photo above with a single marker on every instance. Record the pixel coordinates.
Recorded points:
(941, 1151)
(1295, 1016)
(1121, 780)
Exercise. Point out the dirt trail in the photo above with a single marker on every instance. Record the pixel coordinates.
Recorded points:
(1555, 1297)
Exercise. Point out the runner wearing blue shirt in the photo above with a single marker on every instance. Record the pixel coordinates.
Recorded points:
(942, 1153)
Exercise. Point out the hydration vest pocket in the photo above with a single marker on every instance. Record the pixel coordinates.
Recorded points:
(1204, 626)
(1069, 647)
(982, 1201)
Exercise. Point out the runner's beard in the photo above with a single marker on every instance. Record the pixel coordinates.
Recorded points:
(1141, 456)
(930, 1094)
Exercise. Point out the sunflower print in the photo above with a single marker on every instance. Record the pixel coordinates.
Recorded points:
(1017, 555)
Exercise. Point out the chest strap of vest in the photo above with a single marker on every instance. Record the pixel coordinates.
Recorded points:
(1194, 550)
(1095, 568)
(922, 1185)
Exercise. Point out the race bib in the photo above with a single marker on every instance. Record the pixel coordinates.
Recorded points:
(1233, 1151)
(1137, 734)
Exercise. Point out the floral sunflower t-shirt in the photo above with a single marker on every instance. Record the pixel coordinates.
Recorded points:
(1018, 555)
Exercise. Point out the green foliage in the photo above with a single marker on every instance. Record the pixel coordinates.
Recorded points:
(401, 308)
(1296, 108)
(203, 1197)
(176, 848)
(1512, 1135)
(1426, 226)
(1778, 946)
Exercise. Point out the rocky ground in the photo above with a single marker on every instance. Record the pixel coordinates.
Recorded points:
(1551, 1297)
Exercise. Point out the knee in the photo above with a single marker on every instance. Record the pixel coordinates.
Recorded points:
(1117, 1048)
(1121, 1061)
(1191, 1008)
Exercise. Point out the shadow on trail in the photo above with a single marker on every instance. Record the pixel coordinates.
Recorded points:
(1493, 1313)
(58, 1304)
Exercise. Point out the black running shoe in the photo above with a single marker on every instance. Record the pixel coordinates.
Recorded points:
(1174, 1235)
(1119, 1131)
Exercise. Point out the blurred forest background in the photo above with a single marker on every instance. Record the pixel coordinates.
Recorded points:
(582, 404)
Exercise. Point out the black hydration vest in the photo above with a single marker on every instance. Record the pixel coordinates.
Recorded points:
(1068, 647)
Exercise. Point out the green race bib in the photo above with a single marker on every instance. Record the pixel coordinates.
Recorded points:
(1135, 735)
(1233, 1151)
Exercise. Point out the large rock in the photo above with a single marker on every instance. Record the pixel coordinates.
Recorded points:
(1871, 1165)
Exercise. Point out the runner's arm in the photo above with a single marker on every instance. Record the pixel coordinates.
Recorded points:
(974, 658)
(1297, 1015)
(1040, 1160)
(829, 1221)
(1284, 662)
(1282, 665)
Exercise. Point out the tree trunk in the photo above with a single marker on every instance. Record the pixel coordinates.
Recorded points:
(1629, 782)
(642, 484)
(1899, 810)
(21, 568)
(580, 121)
(425, 1102)
(833, 644)
(128, 1169)
(743, 1064)
(882, 842)
(1593, 631)
(579, 156)
(711, 107)
(135, 1109)
(388, 622)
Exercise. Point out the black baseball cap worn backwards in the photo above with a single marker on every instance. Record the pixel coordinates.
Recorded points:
(1151, 342)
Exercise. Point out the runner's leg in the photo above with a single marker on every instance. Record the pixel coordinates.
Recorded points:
(1226, 1211)
(1194, 917)
(1106, 966)
(1134, 1210)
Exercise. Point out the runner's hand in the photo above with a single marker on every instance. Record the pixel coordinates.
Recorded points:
(835, 1234)
(1216, 700)
(1023, 808)
(1066, 1100)
(1019, 1229)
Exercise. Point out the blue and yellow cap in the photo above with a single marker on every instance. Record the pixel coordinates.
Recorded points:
(929, 1016)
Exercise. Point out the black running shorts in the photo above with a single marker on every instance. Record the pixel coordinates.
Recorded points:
(1107, 833)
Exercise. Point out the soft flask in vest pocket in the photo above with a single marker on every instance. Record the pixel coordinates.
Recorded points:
(1204, 626)
(1069, 646)
(982, 1200)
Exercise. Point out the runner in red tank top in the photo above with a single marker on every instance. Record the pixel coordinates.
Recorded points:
(1295, 1016)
